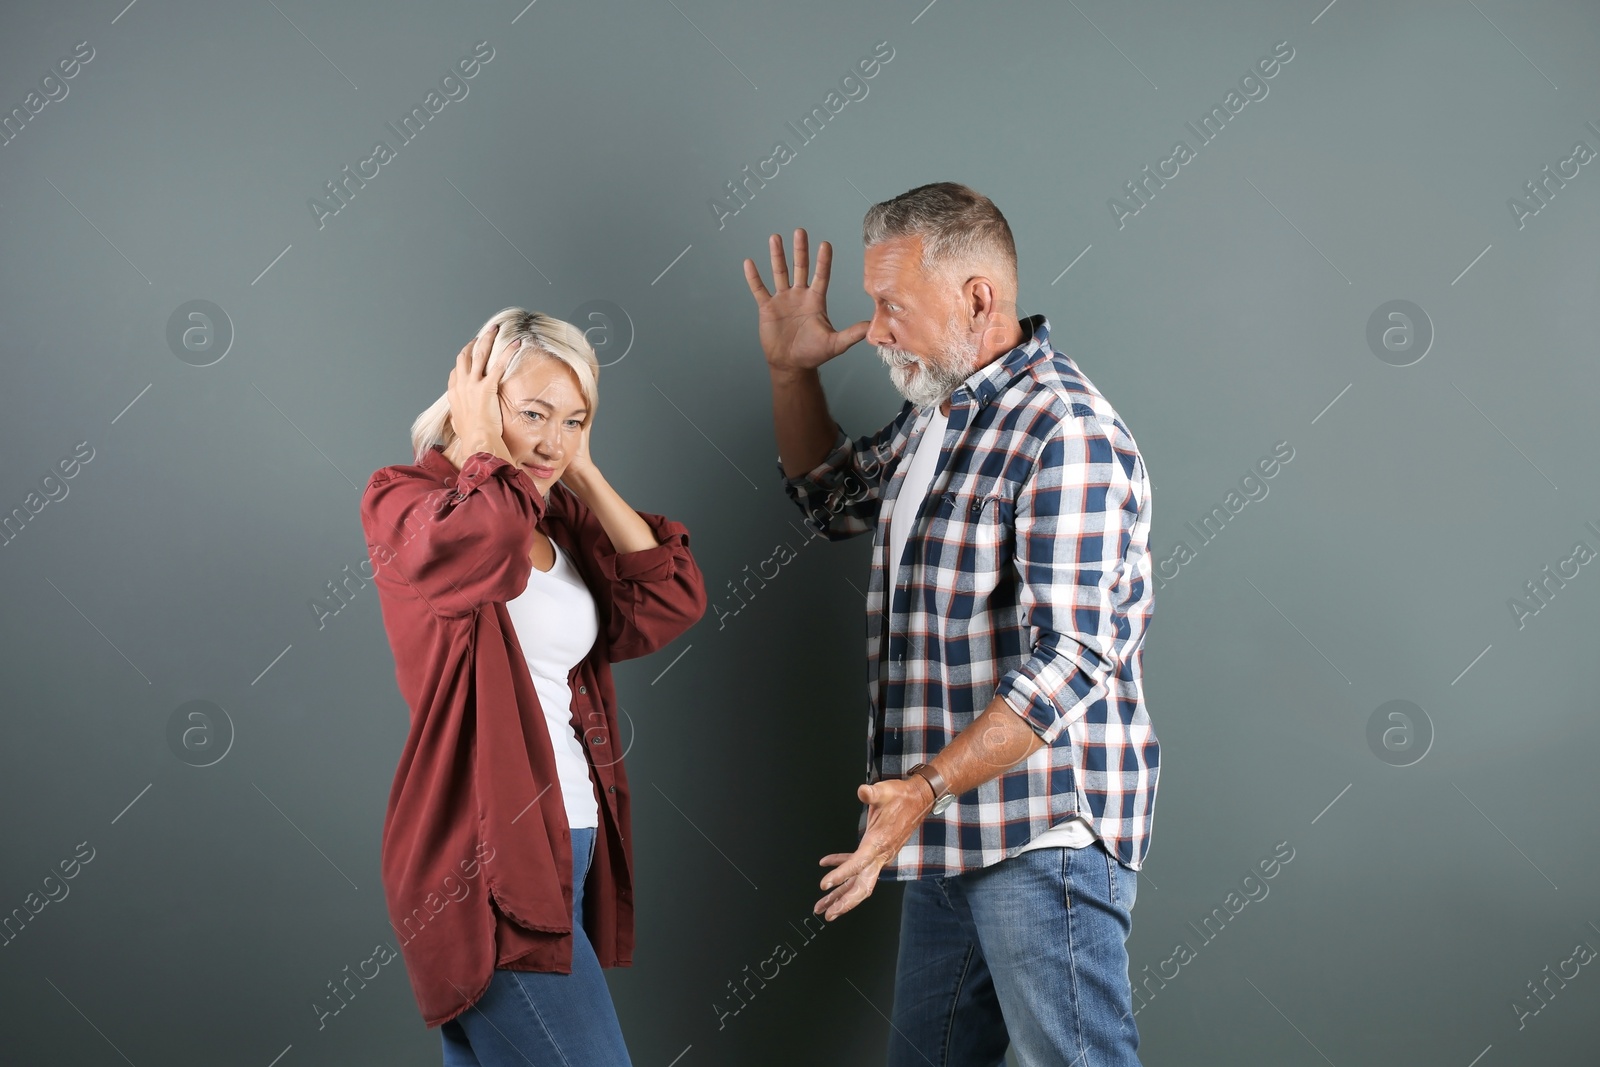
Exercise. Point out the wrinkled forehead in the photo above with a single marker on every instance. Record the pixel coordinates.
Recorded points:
(894, 267)
(543, 381)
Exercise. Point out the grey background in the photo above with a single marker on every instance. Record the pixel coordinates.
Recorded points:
(1228, 315)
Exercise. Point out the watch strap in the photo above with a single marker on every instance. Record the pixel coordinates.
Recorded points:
(934, 779)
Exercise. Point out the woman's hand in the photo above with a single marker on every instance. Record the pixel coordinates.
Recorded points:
(627, 531)
(581, 472)
(474, 392)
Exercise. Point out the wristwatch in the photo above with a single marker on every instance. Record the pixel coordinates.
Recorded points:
(942, 798)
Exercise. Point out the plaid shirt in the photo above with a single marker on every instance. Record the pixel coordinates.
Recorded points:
(1027, 574)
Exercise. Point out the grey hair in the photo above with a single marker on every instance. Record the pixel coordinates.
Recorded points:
(541, 337)
(960, 228)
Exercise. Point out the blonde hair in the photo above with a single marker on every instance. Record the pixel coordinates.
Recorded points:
(541, 337)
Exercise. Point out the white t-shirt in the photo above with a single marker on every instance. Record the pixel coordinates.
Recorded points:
(557, 623)
(1077, 831)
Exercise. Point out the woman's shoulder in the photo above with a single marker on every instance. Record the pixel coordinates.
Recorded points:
(426, 468)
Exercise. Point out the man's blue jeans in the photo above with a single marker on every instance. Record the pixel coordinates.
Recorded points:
(544, 1018)
(1030, 951)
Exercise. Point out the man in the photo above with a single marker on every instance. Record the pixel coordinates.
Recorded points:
(1012, 766)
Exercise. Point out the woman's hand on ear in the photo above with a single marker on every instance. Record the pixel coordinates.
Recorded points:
(474, 391)
(580, 469)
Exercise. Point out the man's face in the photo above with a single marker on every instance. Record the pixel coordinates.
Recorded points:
(917, 324)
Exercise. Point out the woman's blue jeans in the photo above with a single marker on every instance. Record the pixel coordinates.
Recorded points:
(538, 1017)
(1030, 951)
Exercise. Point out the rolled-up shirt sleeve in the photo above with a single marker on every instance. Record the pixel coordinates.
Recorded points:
(459, 546)
(840, 496)
(1074, 519)
(656, 593)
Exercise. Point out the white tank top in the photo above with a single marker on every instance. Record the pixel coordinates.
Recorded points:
(1076, 831)
(556, 624)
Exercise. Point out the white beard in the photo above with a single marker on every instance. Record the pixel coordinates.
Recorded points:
(934, 379)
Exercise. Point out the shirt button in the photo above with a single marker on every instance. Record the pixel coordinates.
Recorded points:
(611, 789)
(583, 689)
(597, 740)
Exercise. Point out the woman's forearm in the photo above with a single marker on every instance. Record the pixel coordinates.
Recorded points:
(628, 532)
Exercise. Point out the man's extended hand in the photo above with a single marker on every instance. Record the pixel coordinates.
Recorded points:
(796, 334)
(993, 742)
(897, 808)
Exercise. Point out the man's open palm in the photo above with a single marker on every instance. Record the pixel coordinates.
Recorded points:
(794, 326)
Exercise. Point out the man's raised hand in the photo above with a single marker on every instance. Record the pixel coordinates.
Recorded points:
(794, 326)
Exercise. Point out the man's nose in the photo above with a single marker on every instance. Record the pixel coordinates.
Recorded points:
(878, 332)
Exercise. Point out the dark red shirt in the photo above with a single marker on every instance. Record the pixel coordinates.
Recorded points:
(477, 855)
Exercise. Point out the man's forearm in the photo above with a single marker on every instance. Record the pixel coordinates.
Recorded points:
(805, 430)
(995, 741)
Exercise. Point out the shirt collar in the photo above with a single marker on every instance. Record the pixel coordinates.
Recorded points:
(987, 382)
(434, 462)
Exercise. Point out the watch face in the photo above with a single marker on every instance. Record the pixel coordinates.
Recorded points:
(942, 803)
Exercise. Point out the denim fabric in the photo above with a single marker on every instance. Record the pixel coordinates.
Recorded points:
(540, 1018)
(1030, 952)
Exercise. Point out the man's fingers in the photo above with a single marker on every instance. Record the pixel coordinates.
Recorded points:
(833, 896)
(839, 876)
(852, 865)
(802, 258)
(824, 267)
(780, 265)
(823, 906)
(852, 336)
(758, 288)
(845, 898)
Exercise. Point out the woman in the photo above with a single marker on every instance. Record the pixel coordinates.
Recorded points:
(511, 575)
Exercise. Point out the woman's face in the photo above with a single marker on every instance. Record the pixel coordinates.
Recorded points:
(542, 413)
